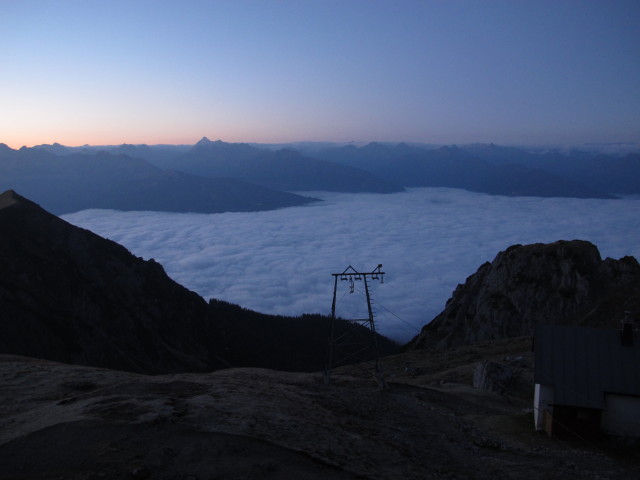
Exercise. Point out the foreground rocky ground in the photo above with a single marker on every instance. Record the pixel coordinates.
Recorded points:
(64, 421)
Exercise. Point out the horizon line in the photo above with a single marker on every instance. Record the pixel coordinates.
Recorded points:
(331, 142)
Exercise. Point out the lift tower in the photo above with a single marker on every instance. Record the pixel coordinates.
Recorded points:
(351, 275)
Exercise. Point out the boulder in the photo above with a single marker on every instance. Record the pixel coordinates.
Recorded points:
(492, 376)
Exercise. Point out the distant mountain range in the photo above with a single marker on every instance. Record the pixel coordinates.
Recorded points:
(219, 176)
(79, 181)
(208, 177)
(280, 169)
(615, 174)
(496, 170)
(284, 169)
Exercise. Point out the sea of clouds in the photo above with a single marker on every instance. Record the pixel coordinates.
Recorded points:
(427, 239)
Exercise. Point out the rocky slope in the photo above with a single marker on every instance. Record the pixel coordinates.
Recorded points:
(72, 296)
(565, 282)
(69, 295)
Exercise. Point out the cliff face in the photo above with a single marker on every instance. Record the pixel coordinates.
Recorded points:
(565, 282)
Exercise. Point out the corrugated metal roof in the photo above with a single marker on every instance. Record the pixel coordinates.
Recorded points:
(582, 364)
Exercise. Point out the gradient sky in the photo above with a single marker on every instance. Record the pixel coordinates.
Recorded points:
(509, 72)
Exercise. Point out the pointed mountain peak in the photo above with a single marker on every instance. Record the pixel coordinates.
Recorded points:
(208, 144)
(10, 198)
(204, 141)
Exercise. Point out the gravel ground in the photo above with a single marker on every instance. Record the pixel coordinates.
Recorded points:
(64, 421)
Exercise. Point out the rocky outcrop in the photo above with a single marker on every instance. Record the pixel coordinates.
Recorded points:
(565, 282)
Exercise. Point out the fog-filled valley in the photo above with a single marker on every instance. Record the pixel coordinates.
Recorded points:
(265, 226)
(428, 240)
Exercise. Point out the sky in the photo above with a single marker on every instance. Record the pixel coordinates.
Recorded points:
(561, 72)
(428, 240)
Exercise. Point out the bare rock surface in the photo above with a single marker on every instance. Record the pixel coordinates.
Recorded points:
(564, 282)
(65, 421)
(492, 376)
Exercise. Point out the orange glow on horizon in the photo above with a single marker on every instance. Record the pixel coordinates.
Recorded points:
(98, 140)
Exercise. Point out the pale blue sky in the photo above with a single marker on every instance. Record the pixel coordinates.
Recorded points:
(509, 72)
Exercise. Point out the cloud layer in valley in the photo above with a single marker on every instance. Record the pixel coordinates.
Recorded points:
(427, 239)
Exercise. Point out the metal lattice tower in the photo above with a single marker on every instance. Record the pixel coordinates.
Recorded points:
(351, 275)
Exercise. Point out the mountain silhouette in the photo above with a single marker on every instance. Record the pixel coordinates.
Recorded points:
(457, 167)
(285, 169)
(606, 173)
(385, 167)
(79, 181)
